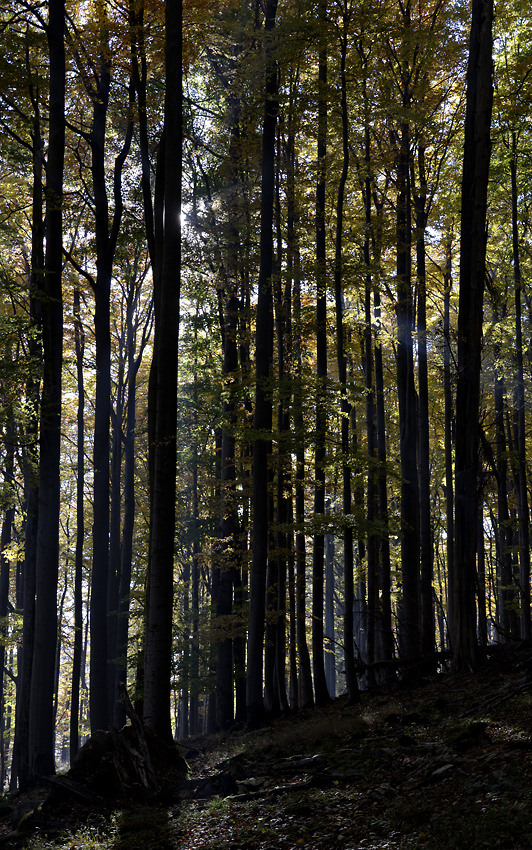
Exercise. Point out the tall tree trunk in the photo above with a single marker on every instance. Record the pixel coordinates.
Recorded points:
(20, 772)
(263, 402)
(115, 510)
(293, 689)
(475, 175)
(126, 548)
(158, 652)
(104, 575)
(283, 460)
(507, 602)
(228, 543)
(330, 654)
(271, 694)
(522, 491)
(283, 310)
(410, 636)
(425, 528)
(367, 342)
(305, 694)
(321, 694)
(6, 536)
(41, 732)
(387, 639)
(345, 407)
(196, 552)
(448, 429)
(79, 340)
(99, 707)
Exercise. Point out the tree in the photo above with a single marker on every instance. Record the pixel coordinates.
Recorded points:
(263, 404)
(158, 652)
(321, 695)
(475, 175)
(41, 729)
(80, 530)
(341, 357)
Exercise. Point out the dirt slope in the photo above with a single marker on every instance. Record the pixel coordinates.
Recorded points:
(445, 765)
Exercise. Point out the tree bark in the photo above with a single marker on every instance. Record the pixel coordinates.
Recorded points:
(228, 542)
(448, 429)
(41, 732)
(321, 694)
(410, 634)
(20, 773)
(345, 406)
(475, 175)
(158, 651)
(305, 694)
(79, 341)
(425, 526)
(520, 438)
(263, 402)
(6, 536)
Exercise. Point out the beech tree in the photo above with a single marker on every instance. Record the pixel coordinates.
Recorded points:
(158, 656)
(41, 727)
(475, 175)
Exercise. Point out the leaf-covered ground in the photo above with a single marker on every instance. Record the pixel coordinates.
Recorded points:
(445, 765)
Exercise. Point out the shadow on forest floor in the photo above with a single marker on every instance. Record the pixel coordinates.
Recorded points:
(444, 765)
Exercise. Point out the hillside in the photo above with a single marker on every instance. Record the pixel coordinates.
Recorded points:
(445, 765)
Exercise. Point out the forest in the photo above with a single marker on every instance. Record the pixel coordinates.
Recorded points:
(264, 357)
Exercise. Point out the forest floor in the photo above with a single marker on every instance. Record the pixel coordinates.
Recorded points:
(447, 764)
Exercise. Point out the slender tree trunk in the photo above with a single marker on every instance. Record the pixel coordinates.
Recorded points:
(228, 543)
(293, 690)
(472, 274)
(6, 535)
(373, 606)
(507, 601)
(271, 694)
(41, 732)
(305, 694)
(282, 322)
(522, 491)
(481, 580)
(410, 636)
(126, 548)
(321, 694)
(263, 402)
(345, 407)
(387, 639)
(330, 654)
(158, 652)
(104, 574)
(425, 526)
(115, 510)
(195, 649)
(79, 338)
(99, 707)
(21, 758)
(182, 721)
(449, 419)
(59, 643)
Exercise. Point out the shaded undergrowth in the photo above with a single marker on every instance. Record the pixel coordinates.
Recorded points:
(447, 764)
